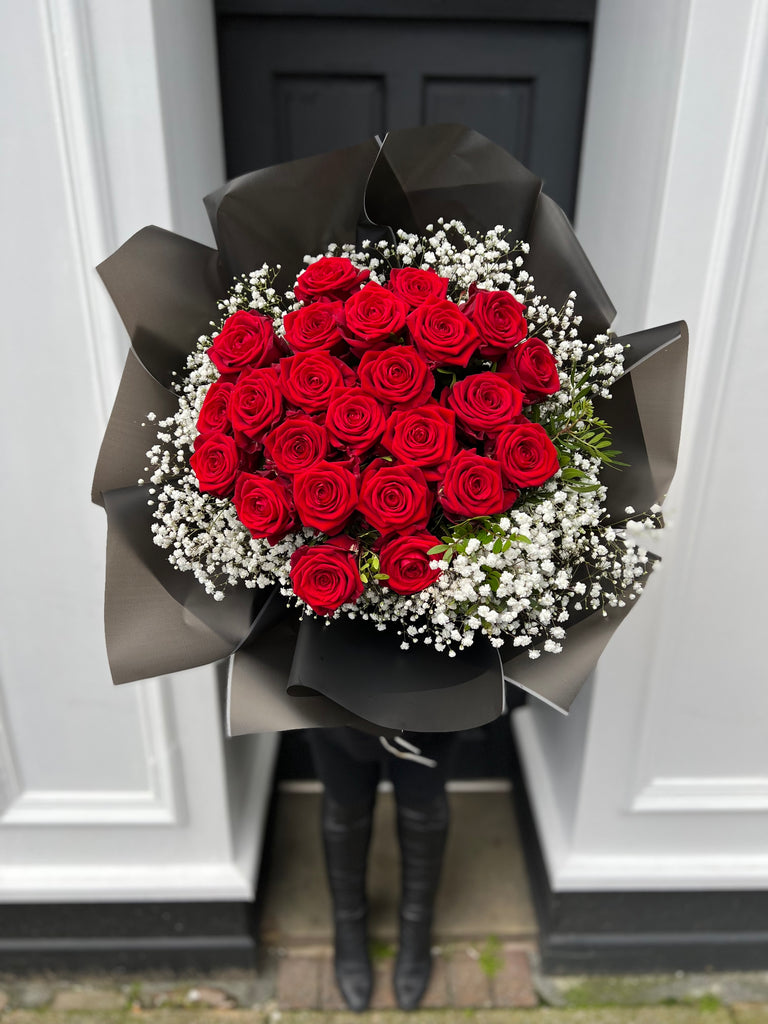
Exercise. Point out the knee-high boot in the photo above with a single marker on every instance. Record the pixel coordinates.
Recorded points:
(422, 833)
(346, 836)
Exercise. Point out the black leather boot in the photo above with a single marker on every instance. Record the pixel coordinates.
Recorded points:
(346, 835)
(422, 832)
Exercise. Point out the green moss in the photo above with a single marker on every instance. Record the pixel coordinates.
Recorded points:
(490, 958)
(709, 1003)
(381, 950)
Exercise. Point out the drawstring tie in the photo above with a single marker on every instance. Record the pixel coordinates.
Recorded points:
(406, 751)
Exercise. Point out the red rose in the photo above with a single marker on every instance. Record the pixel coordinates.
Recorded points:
(372, 316)
(215, 462)
(526, 454)
(245, 339)
(406, 562)
(396, 376)
(255, 405)
(263, 506)
(484, 403)
(425, 436)
(416, 286)
(499, 319)
(354, 420)
(330, 277)
(473, 486)
(442, 333)
(295, 444)
(325, 495)
(326, 576)
(531, 367)
(394, 497)
(308, 378)
(315, 327)
(214, 414)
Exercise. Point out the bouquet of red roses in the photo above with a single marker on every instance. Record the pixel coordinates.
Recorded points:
(408, 439)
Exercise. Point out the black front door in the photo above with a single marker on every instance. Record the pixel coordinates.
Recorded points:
(305, 76)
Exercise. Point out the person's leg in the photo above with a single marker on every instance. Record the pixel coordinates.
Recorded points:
(349, 794)
(422, 827)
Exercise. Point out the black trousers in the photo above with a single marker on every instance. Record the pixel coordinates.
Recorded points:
(350, 764)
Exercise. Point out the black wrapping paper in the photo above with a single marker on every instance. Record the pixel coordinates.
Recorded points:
(286, 672)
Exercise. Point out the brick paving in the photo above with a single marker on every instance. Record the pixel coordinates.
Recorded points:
(459, 980)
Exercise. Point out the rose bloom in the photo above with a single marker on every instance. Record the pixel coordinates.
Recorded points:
(406, 562)
(354, 421)
(416, 286)
(325, 495)
(214, 413)
(308, 378)
(295, 444)
(394, 498)
(396, 376)
(371, 317)
(483, 403)
(263, 506)
(531, 367)
(246, 339)
(315, 327)
(442, 333)
(216, 462)
(255, 405)
(425, 436)
(499, 319)
(526, 454)
(326, 576)
(473, 486)
(330, 277)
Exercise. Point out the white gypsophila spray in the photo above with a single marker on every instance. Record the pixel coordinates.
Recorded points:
(518, 577)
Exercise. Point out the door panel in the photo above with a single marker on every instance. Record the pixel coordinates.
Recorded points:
(293, 86)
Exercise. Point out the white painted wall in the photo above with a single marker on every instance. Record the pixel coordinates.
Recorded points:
(659, 779)
(109, 120)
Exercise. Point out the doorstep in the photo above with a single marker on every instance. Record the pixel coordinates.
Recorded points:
(483, 893)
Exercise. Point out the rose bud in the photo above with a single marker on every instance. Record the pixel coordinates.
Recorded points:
(416, 286)
(246, 339)
(371, 317)
(473, 486)
(215, 462)
(214, 412)
(255, 405)
(526, 454)
(405, 560)
(354, 421)
(263, 506)
(396, 376)
(499, 319)
(315, 327)
(308, 378)
(325, 495)
(326, 576)
(483, 403)
(394, 498)
(295, 444)
(442, 333)
(330, 277)
(425, 436)
(531, 367)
